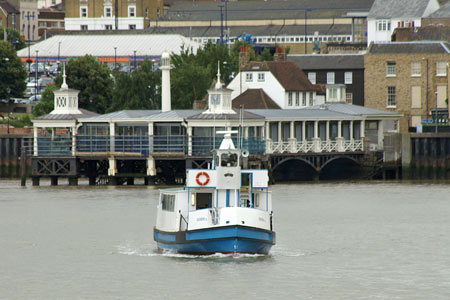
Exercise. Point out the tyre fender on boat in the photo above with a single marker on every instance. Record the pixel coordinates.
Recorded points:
(199, 181)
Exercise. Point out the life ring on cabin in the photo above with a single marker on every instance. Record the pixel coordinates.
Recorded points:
(197, 178)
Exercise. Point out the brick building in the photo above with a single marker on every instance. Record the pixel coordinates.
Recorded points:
(410, 78)
(111, 14)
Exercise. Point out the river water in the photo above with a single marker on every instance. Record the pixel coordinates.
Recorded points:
(369, 240)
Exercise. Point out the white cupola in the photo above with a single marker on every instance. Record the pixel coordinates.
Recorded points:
(165, 82)
(219, 98)
(66, 99)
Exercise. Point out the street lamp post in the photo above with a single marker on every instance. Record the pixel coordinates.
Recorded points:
(134, 60)
(36, 74)
(306, 29)
(436, 115)
(28, 34)
(8, 91)
(221, 24)
(115, 58)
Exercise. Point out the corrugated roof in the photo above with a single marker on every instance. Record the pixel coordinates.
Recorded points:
(174, 114)
(409, 47)
(126, 114)
(84, 114)
(350, 109)
(398, 9)
(247, 115)
(103, 45)
(261, 10)
(328, 61)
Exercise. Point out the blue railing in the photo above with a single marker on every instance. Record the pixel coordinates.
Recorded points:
(54, 146)
(141, 144)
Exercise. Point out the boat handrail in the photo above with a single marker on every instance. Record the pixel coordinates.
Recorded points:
(182, 218)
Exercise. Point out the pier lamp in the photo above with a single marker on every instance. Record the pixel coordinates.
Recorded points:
(8, 91)
(115, 58)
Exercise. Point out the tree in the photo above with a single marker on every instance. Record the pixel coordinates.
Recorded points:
(93, 80)
(46, 104)
(12, 72)
(13, 37)
(137, 90)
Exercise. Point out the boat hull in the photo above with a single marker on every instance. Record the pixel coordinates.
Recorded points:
(227, 239)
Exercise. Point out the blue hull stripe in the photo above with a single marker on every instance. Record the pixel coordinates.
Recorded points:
(228, 239)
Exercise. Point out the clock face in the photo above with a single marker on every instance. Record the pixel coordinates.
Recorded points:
(215, 99)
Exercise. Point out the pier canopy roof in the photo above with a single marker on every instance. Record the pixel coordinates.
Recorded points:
(109, 45)
(355, 110)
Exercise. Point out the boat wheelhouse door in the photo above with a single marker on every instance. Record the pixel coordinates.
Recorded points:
(246, 190)
(203, 200)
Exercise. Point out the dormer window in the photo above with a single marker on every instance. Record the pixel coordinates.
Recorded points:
(261, 77)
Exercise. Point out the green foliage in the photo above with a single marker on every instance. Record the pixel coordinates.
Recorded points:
(46, 104)
(12, 72)
(265, 55)
(13, 37)
(137, 90)
(18, 121)
(94, 81)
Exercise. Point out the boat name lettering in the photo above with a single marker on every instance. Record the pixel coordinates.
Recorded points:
(262, 219)
(202, 219)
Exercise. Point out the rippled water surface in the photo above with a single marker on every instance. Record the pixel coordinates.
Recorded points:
(334, 241)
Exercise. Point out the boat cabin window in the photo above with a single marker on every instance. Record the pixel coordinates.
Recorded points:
(168, 202)
(229, 160)
(203, 200)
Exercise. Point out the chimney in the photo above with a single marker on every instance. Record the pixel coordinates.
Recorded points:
(165, 82)
(280, 54)
(244, 57)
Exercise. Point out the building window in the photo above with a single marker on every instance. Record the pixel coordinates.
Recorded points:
(131, 11)
(290, 99)
(391, 68)
(330, 78)
(249, 77)
(383, 25)
(304, 99)
(416, 69)
(83, 27)
(215, 99)
(311, 99)
(158, 12)
(441, 68)
(83, 11)
(261, 77)
(349, 98)
(297, 99)
(312, 77)
(333, 94)
(108, 27)
(348, 77)
(108, 11)
(53, 2)
(132, 26)
(146, 13)
(391, 101)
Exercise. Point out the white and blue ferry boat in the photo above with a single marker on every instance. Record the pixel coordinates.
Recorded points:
(224, 209)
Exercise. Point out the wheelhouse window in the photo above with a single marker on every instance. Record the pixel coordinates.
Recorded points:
(229, 159)
(168, 202)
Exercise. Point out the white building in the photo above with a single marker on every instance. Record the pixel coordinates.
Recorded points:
(283, 81)
(386, 15)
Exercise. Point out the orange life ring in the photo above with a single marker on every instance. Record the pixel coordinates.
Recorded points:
(197, 178)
